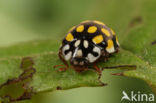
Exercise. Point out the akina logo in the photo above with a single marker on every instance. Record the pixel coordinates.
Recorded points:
(137, 96)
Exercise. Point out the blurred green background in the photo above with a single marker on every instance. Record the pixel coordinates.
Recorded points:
(26, 20)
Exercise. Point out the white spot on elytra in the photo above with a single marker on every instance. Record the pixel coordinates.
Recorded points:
(97, 50)
(91, 58)
(66, 47)
(68, 56)
(77, 53)
(85, 43)
(110, 50)
(77, 43)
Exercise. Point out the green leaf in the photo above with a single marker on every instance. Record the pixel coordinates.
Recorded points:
(146, 73)
(36, 74)
(141, 42)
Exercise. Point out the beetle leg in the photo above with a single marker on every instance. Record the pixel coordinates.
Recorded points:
(62, 67)
(98, 70)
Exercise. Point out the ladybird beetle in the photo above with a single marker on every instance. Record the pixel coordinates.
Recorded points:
(86, 43)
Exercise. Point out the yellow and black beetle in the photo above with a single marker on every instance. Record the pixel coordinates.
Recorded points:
(86, 43)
